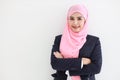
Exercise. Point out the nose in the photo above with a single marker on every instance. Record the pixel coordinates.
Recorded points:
(75, 22)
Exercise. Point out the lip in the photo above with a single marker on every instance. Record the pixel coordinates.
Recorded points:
(75, 27)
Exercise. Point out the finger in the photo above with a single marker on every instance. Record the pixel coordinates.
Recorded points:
(58, 52)
(54, 53)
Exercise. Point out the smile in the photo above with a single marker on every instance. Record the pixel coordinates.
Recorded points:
(76, 27)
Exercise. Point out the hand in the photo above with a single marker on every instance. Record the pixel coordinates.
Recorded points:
(86, 61)
(58, 54)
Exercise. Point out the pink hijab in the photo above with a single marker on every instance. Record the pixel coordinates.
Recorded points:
(72, 42)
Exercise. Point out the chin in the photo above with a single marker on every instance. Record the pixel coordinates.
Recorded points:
(76, 31)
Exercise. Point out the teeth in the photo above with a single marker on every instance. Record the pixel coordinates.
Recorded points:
(76, 26)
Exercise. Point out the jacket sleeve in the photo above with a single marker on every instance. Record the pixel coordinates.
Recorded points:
(63, 64)
(96, 61)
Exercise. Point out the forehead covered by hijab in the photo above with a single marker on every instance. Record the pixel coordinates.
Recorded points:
(78, 8)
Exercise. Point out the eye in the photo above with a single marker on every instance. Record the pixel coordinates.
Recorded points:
(71, 18)
(79, 18)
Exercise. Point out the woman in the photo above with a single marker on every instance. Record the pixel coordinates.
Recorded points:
(75, 50)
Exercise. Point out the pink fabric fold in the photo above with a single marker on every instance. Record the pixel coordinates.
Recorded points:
(72, 42)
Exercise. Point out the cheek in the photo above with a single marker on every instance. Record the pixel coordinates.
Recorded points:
(82, 24)
(69, 23)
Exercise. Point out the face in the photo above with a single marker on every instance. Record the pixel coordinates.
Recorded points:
(76, 22)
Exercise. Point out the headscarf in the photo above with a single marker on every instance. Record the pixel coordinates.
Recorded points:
(72, 42)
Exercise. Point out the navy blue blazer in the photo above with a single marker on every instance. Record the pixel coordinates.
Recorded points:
(91, 49)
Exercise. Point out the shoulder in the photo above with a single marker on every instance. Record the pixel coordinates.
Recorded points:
(92, 38)
(89, 37)
(58, 37)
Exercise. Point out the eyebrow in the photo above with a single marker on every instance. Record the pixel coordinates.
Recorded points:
(77, 17)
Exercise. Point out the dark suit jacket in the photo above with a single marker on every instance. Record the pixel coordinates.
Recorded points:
(91, 49)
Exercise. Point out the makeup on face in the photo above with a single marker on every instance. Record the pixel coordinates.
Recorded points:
(76, 22)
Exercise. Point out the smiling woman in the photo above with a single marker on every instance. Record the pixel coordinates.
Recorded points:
(75, 50)
(76, 22)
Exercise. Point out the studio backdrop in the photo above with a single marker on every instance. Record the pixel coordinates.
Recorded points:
(28, 29)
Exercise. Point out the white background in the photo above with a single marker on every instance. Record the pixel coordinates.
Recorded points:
(28, 28)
